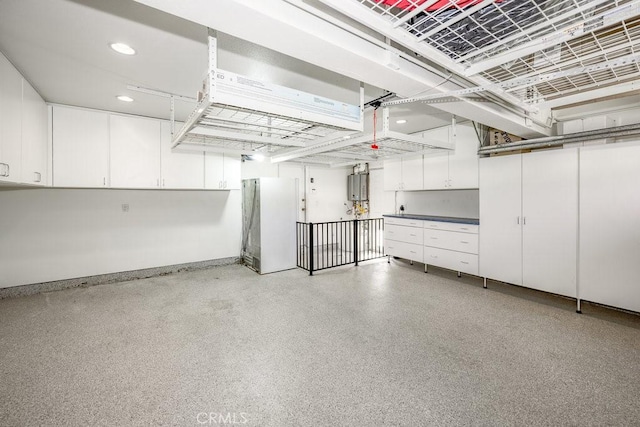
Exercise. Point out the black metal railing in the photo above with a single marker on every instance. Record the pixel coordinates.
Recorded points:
(325, 245)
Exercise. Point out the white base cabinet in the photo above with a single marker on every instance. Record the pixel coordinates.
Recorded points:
(528, 219)
(438, 243)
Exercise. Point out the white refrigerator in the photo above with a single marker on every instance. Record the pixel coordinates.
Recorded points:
(269, 214)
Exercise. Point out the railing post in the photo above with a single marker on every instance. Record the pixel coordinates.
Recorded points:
(310, 249)
(355, 240)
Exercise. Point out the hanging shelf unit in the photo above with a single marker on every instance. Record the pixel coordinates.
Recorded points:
(242, 115)
(349, 150)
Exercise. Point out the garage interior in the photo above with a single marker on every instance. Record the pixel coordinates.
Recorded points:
(314, 212)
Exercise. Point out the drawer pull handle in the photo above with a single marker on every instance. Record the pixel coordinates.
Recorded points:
(464, 262)
(434, 256)
(462, 241)
(413, 252)
(463, 228)
(412, 235)
(434, 238)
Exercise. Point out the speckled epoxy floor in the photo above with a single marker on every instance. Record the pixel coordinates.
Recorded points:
(375, 345)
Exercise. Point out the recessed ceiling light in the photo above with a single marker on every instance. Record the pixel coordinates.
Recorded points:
(346, 137)
(124, 98)
(122, 48)
(401, 121)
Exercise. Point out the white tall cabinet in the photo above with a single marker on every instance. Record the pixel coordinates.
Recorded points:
(500, 246)
(610, 225)
(528, 220)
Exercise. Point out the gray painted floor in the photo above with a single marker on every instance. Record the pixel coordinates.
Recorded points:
(378, 344)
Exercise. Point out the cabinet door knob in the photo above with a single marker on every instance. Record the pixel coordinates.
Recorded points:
(220, 184)
(104, 180)
(37, 177)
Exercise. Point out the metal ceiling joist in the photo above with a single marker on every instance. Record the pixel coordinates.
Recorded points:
(603, 19)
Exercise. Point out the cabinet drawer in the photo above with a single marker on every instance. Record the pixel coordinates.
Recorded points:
(461, 242)
(403, 221)
(451, 226)
(404, 250)
(458, 261)
(403, 234)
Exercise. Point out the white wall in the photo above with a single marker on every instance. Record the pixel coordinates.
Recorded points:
(327, 195)
(455, 203)
(55, 234)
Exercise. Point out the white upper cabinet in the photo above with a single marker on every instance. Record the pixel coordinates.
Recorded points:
(180, 170)
(457, 169)
(232, 172)
(135, 152)
(80, 148)
(403, 174)
(222, 171)
(393, 175)
(34, 137)
(412, 173)
(463, 162)
(10, 122)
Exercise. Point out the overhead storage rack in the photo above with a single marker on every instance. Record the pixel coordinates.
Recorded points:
(243, 115)
(360, 148)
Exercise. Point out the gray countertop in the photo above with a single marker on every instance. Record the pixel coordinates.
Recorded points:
(456, 220)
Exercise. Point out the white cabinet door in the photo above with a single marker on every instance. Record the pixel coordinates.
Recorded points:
(34, 137)
(213, 171)
(463, 162)
(436, 171)
(80, 148)
(500, 248)
(392, 175)
(10, 122)
(180, 170)
(550, 220)
(436, 164)
(412, 178)
(135, 152)
(232, 176)
(610, 225)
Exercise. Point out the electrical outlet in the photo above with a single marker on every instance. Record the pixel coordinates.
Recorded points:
(125, 207)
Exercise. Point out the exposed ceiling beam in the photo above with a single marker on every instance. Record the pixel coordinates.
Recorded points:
(603, 19)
